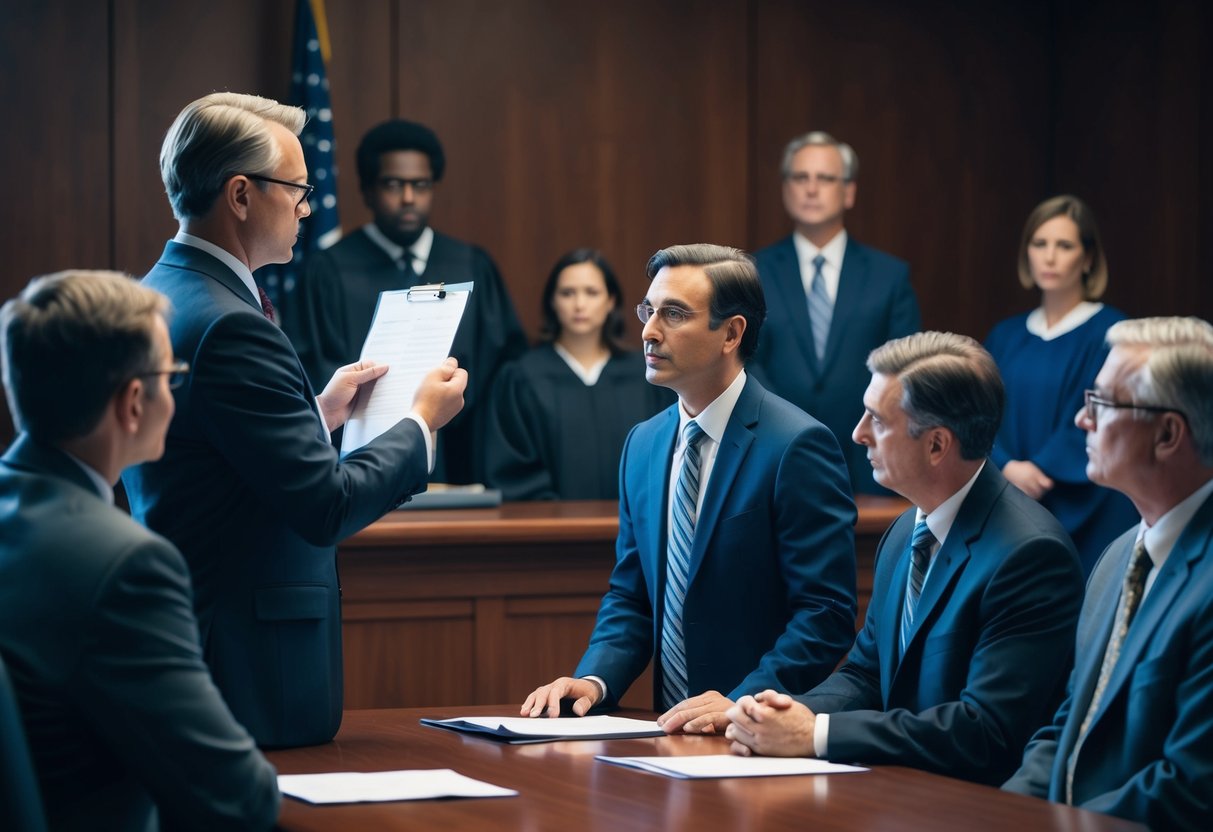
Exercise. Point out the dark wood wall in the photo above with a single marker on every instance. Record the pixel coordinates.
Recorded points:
(632, 124)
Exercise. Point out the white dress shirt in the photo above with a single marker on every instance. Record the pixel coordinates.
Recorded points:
(831, 269)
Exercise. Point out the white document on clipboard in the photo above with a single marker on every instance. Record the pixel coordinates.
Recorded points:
(412, 333)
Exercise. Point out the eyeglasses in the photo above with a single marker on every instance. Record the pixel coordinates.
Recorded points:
(671, 316)
(176, 374)
(395, 186)
(823, 180)
(305, 187)
(1092, 401)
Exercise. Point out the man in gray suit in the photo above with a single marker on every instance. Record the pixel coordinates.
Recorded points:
(96, 619)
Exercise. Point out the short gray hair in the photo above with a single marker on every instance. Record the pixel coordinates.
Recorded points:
(69, 342)
(949, 381)
(215, 138)
(1178, 374)
(819, 138)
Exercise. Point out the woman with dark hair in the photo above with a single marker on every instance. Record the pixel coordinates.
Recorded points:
(560, 413)
(1047, 358)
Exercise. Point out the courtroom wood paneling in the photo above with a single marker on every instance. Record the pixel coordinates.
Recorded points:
(947, 107)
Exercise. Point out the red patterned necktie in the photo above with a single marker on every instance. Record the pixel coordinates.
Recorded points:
(267, 308)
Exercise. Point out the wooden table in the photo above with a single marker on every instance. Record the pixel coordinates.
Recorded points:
(434, 601)
(562, 787)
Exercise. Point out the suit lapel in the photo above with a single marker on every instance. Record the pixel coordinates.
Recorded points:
(789, 290)
(898, 545)
(180, 256)
(660, 457)
(852, 280)
(734, 445)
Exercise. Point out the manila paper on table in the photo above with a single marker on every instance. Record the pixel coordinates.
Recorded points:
(412, 333)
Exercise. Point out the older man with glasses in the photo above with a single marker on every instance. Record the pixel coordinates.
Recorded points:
(1134, 737)
(735, 564)
(250, 488)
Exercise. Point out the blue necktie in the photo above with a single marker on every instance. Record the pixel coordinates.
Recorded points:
(920, 561)
(678, 564)
(821, 309)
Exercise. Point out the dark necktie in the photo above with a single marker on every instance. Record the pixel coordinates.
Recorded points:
(1130, 595)
(407, 273)
(821, 309)
(267, 308)
(920, 561)
(674, 684)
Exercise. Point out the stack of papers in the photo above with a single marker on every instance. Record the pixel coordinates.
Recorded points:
(729, 765)
(379, 786)
(520, 729)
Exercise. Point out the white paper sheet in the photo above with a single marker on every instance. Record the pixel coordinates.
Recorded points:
(729, 765)
(542, 728)
(379, 786)
(413, 335)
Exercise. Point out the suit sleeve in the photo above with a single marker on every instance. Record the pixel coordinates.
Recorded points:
(1036, 770)
(622, 642)
(1027, 613)
(253, 407)
(514, 447)
(814, 518)
(142, 683)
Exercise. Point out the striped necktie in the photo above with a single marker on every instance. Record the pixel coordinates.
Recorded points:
(1130, 599)
(821, 308)
(674, 685)
(920, 562)
(267, 308)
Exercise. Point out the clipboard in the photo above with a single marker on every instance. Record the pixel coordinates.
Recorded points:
(412, 332)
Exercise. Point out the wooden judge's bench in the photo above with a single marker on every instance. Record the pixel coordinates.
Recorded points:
(479, 606)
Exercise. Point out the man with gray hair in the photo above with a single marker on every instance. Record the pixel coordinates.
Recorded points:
(96, 624)
(250, 488)
(966, 645)
(1134, 737)
(832, 300)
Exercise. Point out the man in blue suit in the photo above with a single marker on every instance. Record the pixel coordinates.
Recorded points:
(125, 728)
(1134, 737)
(832, 300)
(735, 566)
(967, 640)
(250, 488)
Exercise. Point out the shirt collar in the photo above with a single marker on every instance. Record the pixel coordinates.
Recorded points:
(941, 519)
(714, 418)
(104, 489)
(833, 251)
(589, 376)
(419, 250)
(1162, 536)
(1071, 321)
(223, 256)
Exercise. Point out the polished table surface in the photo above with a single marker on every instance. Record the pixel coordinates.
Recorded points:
(562, 787)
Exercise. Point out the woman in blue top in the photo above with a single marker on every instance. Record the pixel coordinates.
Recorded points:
(1047, 357)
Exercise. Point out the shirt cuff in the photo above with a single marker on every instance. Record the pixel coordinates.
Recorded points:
(320, 412)
(821, 736)
(429, 441)
(602, 687)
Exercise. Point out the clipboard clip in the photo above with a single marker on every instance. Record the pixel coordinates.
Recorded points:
(430, 291)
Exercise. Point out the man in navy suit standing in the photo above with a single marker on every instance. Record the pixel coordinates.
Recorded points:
(966, 645)
(832, 300)
(735, 563)
(250, 489)
(1134, 738)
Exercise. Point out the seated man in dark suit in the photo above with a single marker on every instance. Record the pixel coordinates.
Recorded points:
(1134, 737)
(735, 564)
(967, 640)
(400, 164)
(250, 488)
(96, 623)
(832, 300)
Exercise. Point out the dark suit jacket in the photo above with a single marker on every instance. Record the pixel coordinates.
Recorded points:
(99, 636)
(330, 313)
(252, 493)
(875, 303)
(770, 601)
(989, 651)
(1148, 755)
